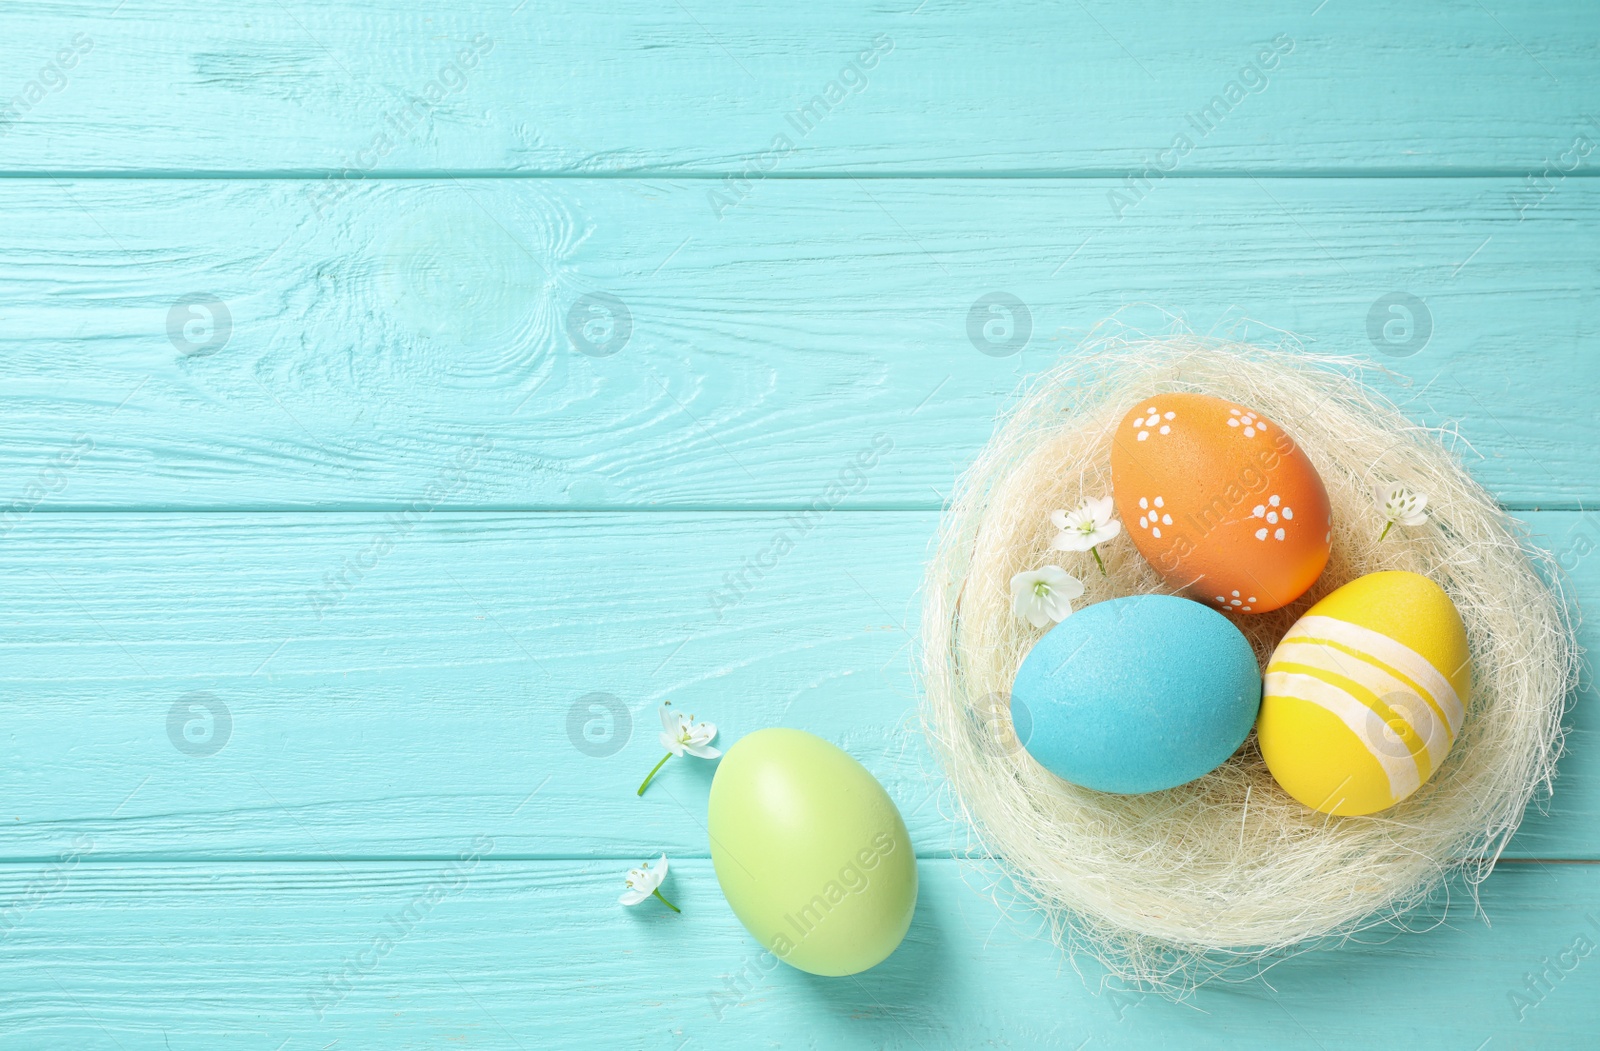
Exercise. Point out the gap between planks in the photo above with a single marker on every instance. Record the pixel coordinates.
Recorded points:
(1517, 507)
(716, 175)
(527, 859)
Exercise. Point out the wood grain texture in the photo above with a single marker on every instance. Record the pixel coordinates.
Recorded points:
(389, 684)
(482, 953)
(381, 86)
(376, 333)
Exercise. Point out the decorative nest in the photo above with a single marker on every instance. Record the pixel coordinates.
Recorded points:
(1171, 888)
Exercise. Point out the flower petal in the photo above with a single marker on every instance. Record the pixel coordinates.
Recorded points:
(1022, 591)
(669, 718)
(1072, 541)
(671, 744)
(1063, 583)
(702, 751)
(1058, 518)
(631, 896)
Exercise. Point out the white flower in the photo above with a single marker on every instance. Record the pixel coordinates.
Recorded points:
(680, 733)
(1400, 505)
(645, 882)
(1044, 596)
(1089, 525)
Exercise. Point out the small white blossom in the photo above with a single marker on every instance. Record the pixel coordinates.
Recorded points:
(680, 734)
(1081, 530)
(1085, 528)
(1399, 505)
(645, 882)
(1044, 596)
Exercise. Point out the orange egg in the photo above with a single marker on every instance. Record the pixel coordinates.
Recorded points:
(1221, 501)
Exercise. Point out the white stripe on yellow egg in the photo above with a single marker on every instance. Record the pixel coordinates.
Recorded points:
(1400, 658)
(1361, 719)
(1419, 711)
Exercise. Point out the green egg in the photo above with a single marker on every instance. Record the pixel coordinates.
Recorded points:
(811, 852)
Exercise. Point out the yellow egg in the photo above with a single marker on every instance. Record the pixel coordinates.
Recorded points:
(1365, 695)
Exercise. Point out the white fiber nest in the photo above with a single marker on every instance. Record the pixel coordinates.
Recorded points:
(1172, 887)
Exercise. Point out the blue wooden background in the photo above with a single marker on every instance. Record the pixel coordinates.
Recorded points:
(341, 584)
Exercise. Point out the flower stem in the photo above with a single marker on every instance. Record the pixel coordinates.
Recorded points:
(1095, 551)
(651, 776)
(1386, 527)
(667, 903)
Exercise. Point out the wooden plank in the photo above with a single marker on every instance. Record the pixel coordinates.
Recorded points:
(480, 952)
(379, 86)
(376, 331)
(389, 683)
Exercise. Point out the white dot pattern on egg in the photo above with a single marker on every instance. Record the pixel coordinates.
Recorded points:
(1249, 421)
(1273, 512)
(1241, 603)
(1152, 516)
(1153, 419)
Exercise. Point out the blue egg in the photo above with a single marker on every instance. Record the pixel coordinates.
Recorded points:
(1136, 694)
